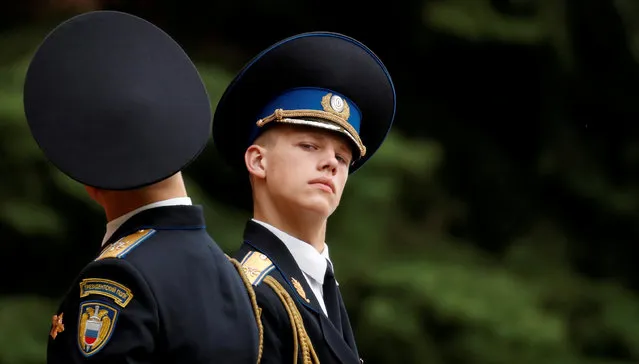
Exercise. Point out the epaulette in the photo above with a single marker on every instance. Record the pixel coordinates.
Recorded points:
(123, 246)
(256, 267)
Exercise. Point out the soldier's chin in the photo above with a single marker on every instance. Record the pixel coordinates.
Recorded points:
(318, 206)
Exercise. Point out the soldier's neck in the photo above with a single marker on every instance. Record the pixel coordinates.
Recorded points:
(118, 203)
(309, 228)
(119, 207)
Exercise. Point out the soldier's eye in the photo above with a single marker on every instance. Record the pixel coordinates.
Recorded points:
(308, 146)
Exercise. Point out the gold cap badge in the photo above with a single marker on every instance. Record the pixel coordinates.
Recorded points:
(336, 105)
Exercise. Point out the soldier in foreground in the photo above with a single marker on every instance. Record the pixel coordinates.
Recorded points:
(300, 117)
(118, 106)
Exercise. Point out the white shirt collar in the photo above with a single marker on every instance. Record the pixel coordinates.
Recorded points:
(114, 224)
(310, 261)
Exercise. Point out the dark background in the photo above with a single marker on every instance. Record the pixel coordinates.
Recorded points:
(496, 225)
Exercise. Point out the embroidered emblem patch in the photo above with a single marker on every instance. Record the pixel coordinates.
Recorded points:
(120, 294)
(56, 325)
(95, 326)
(299, 289)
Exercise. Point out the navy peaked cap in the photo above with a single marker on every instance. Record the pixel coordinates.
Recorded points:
(316, 79)
(114, 102)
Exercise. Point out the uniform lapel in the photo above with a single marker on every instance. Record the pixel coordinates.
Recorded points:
(261, 239)
(346, 327)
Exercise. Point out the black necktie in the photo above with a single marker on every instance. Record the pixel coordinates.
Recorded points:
(331, 298)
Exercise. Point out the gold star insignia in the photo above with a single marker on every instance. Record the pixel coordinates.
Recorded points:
(56, 325)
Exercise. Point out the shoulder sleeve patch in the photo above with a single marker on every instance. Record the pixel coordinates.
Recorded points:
(95, 326)
(256, 267)
(120, 294)
(122, 247)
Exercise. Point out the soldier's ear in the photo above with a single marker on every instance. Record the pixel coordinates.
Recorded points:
(255, 160)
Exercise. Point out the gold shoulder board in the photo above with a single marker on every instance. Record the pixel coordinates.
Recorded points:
(123, 246)
(256, 267)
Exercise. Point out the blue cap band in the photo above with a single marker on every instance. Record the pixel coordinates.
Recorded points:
(312, 98)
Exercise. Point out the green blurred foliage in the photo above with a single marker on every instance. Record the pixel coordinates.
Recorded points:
(415, 292)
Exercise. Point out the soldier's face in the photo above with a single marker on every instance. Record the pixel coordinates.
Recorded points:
(306, 169)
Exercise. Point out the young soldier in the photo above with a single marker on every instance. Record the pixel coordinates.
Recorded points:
(118, 106)
(299, 118)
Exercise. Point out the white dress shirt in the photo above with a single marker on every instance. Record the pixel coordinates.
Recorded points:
(114, 224)
(311, 262)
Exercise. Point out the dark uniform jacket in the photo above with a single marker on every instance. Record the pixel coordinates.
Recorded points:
(161, 291)
(263, 254)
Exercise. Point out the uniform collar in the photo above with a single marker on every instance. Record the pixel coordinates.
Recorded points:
(114, 224)
(310, 261)
(162, 218)
(258, 237)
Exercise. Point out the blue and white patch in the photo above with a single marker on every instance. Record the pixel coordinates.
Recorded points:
(95, 326)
